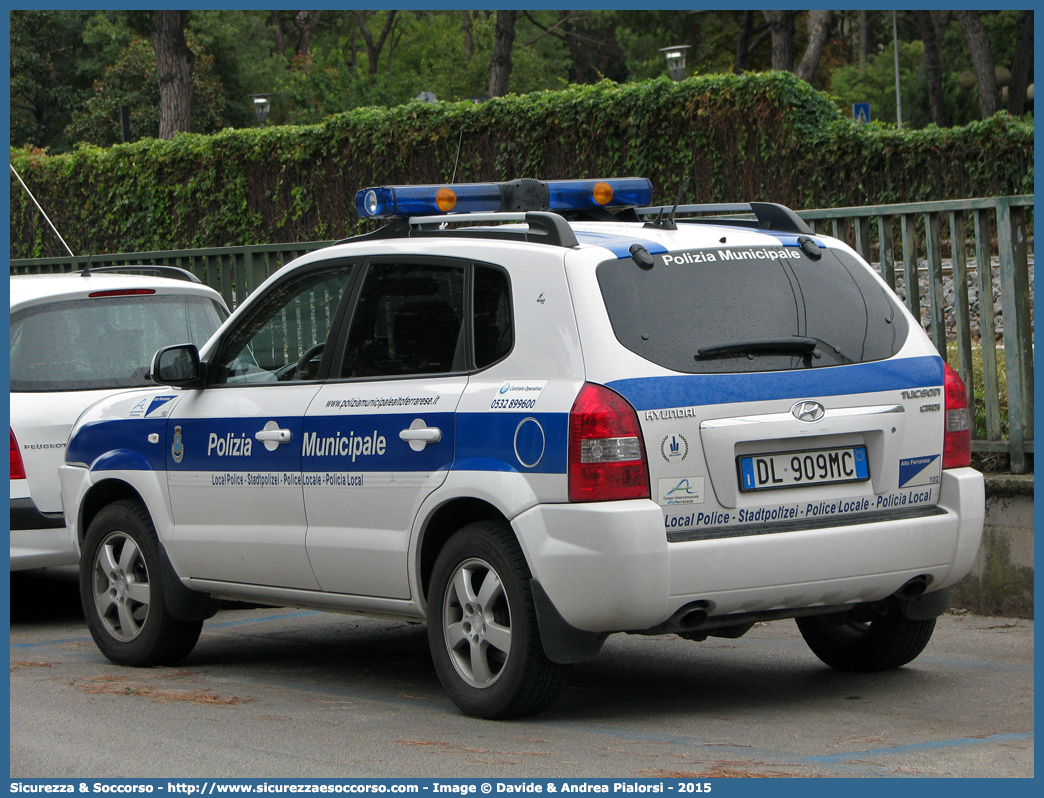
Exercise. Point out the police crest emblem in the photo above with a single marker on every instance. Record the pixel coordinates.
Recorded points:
(177, 448)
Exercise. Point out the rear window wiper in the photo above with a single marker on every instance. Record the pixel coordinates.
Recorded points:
(794, 344)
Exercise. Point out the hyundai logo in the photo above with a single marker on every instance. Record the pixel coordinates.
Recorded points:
(808, 412)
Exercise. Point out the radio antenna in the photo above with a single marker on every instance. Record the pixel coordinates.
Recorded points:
(674, 210)
(668, 223)
(42, 212)
(456, 160)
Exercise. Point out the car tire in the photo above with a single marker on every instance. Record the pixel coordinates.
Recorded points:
(121, 589)
(865, 640)
(482, 627)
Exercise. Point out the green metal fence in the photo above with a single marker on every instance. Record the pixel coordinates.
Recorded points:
(912, 245)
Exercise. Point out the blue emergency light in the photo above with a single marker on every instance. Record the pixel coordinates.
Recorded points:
(526, 194)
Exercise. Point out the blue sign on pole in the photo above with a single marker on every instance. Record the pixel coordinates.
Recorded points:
(861, 113)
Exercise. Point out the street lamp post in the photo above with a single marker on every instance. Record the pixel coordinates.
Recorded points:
(898, 96)
(675, 60)
(262, 106)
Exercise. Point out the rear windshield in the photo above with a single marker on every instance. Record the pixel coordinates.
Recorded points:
(736, 309)
(94, 344)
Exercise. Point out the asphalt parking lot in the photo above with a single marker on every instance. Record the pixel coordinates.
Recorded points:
(290, 694)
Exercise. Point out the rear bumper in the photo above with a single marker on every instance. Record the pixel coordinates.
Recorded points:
(39, 540)
(609, 567)
(26, 515)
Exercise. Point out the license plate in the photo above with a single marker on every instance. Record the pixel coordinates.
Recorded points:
(800, 469)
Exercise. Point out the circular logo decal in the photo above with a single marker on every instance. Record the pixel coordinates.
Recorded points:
(529, 442)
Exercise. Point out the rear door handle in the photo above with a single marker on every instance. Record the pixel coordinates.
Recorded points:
(420, 435)
(426, 434)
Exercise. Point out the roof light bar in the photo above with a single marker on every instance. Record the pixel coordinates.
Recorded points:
(517, 195)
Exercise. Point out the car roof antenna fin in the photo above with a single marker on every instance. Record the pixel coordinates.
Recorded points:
(42, 213)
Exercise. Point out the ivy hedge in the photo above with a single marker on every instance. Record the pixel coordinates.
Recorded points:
(738, 138)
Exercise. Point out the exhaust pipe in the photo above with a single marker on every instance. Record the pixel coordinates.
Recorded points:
(914, 588)
(693, 618)
(690, 616)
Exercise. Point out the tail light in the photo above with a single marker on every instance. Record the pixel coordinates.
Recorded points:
(957, 439)
(606, 456)
(17, 469)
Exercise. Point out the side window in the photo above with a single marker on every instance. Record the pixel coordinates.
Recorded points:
(408, 320)
(284, 338)
(493, 331)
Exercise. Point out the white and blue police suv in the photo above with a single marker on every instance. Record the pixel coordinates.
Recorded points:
(533, 414)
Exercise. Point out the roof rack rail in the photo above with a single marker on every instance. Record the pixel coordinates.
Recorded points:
(768, 216)
(545, 227)
(159, 270)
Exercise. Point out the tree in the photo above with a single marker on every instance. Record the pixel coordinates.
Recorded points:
(132, 81)
(1020, 65)
(866, 40)
(781, 28)
(819, 25)
(749, 39)
(306, 22)
(590, 38)
(978, 39)
(294, 28)
(48, 79)
(276, 22)
(245, 62)
(174, 62)
(933, 67)
(469, 37)
(373, 48)
(781, 25)
(876, 84)
(312, 61)
(500, 62)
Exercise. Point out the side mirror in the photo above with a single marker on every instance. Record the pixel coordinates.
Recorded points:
(178, 366)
